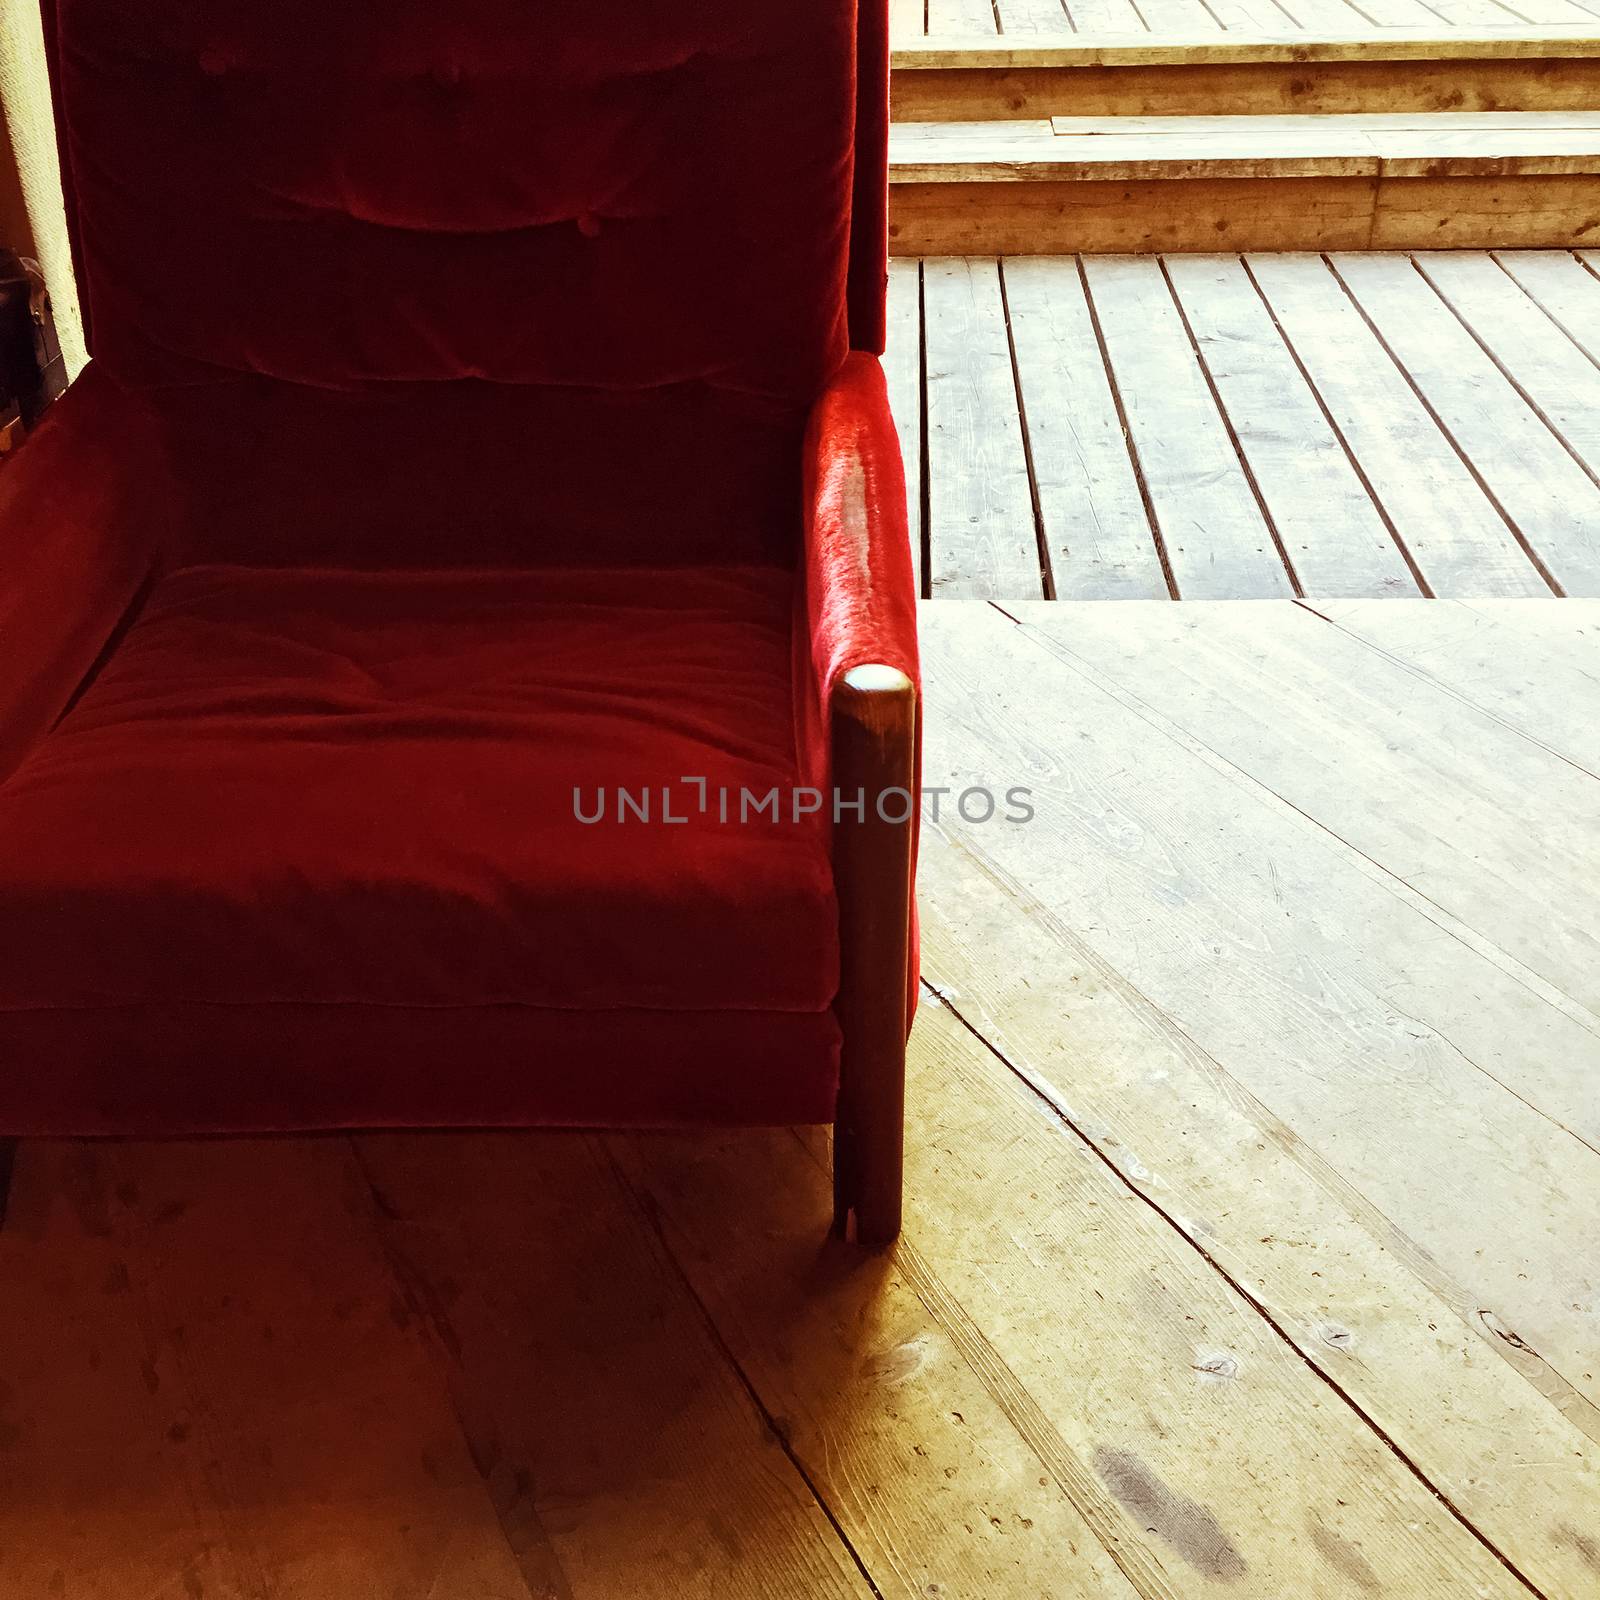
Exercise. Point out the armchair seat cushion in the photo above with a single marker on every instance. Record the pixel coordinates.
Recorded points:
(310, 840)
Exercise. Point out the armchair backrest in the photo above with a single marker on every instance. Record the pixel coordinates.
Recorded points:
(414, 283)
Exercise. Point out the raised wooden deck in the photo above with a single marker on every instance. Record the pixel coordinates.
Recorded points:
(1225, 427)
(1363, 181)
(1030, 125)
(1254, 1152)
(1214, 71)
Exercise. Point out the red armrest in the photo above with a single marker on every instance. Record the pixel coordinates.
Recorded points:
(858, 594)
(79, 506)
(860, 591)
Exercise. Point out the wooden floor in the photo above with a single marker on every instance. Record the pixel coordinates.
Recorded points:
(1254, 1158)
(1225, 427)
(940, 19)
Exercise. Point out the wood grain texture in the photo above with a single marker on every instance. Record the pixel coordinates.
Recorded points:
(1217, 541)
(1180, 148)
(1553, 503)
(1453, 531)
(609, 1426)
(1370, 491)
(872, 715)
(1567, 292)
(1041, 19)
(1338, 993)
(1485, 213)
(1109, 1283)
(1190, 1139)
(1102, 546)
(1397, 180)
(981, 536)
(1054, 217)
(1367, 751)
(216, 1389)
(902, 366)
(1097, 17)
(1360, 39)
(1332, 532)
(1552, 373)
(1110, 218)
(1530, 665)
(910, 1442)
(962, 18)
(1299, 79)
(1375, 126)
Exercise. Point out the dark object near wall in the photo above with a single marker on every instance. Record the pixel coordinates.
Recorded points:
(32, 372)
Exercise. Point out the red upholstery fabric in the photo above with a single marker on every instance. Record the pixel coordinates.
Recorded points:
(476, 474)
(869, 208)
(642, 208)
(164, 1071)
(328, 790)
(616, 193)
(468, 351)
(858, 594)
(860, 588)
(80, 514)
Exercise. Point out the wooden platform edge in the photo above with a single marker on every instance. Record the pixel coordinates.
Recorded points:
(1096, 217)
(997, 53)
(1106, 75)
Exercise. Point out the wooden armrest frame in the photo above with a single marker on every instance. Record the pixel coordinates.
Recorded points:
(872, 715)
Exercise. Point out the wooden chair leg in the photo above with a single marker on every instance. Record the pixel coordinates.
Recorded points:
(874, 741)
(8, 1158)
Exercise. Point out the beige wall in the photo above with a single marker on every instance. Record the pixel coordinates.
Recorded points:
(15, 229)
(31, 218)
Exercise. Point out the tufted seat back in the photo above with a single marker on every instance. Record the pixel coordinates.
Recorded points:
(410, 283)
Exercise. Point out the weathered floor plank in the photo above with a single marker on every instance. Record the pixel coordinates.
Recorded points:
(1458, 540)
(1552, 502)
(1146, 416)
(214, 1391)
(1100, 539)
(598, 1404)
(1182, 1471)
(1341, 1001)
(933, 1481)
(1261, 1203)
(1427, 787)
(1217, 541)
(1514, 659)
(1566, 290)
(1332, 532)
(966, 18)
(902, 365)
(1552, 373)
(981, 538)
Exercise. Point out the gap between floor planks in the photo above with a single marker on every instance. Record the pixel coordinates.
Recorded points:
(1222, 427)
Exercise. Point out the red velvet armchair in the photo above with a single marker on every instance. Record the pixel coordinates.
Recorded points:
(457, 638)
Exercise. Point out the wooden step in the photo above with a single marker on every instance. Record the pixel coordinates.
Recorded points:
(1523, 67)
(1393, 181)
